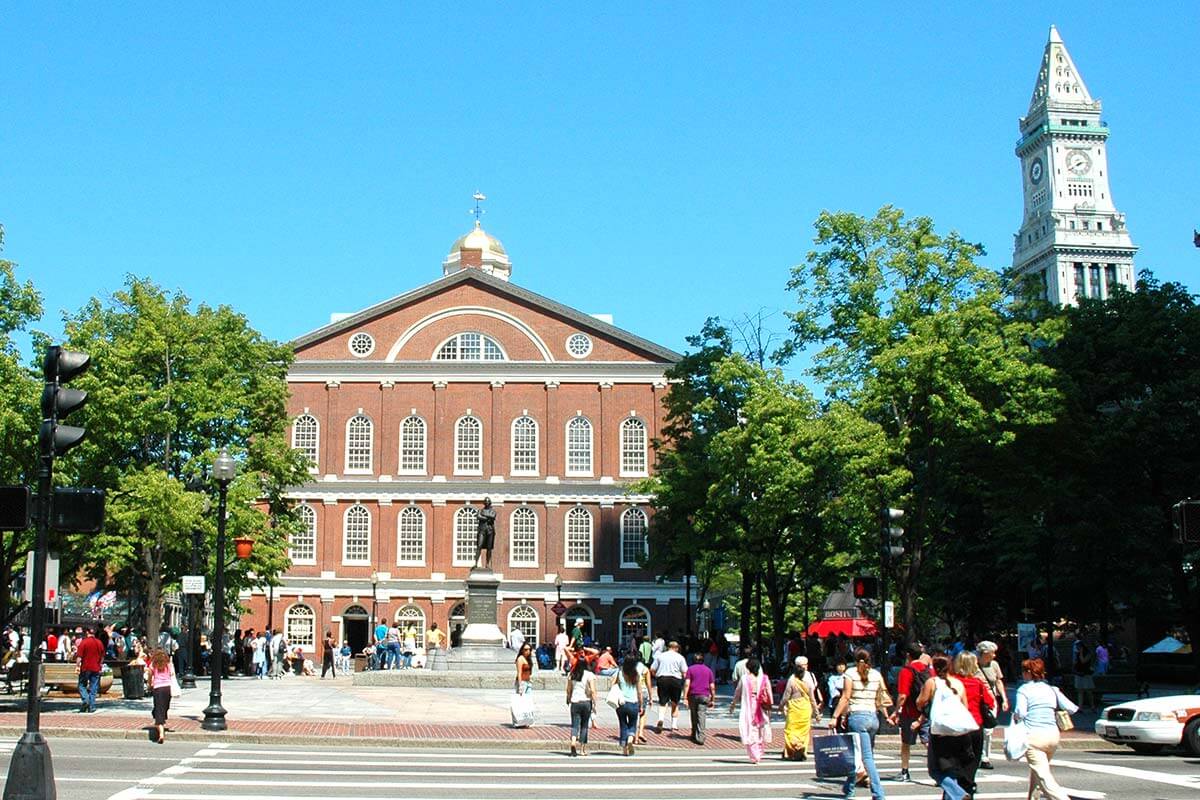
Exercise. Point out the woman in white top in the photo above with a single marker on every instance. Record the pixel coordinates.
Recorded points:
(581, 697)
(860, 695)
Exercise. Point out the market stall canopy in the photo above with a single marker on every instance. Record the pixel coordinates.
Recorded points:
(1169, 645)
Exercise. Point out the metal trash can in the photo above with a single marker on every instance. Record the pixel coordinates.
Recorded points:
(133, 681)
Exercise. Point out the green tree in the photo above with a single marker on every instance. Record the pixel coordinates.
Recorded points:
(169, 386)
(914, 334)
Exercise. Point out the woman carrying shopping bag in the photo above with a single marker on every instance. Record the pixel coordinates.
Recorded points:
(943, 700)
(1042, 710)
(754, 724)
(860, 697)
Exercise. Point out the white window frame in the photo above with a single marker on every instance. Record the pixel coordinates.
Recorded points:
(458, 449)
(514, 469)
(456, 340)
(361, 335)
(464, 534)
(346, 560)
(626, 515)
(624, 644)
(370, 445)
(424, 446)
(525, 513)
(578, 512)
(591, 447)
(316, 439)
(297, 612)
(634, 424)
(532, 629)
(306, 514)
(408, 614)
(410, 512)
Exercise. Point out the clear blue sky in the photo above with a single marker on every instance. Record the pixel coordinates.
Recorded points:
(662, 165)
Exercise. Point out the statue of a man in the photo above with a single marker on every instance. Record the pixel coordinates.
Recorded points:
(485, 532)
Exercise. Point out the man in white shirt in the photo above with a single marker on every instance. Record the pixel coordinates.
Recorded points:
(668, 670)
(516, 639)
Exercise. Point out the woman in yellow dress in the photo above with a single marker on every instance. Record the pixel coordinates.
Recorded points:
(796, 703)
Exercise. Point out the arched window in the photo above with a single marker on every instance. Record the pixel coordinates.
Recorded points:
(470, 347)
(633, 447)
(412, 446)
(300, 627)
(411, 616)
(581, 612)
(579, 446)
(356, 611)
(356, 536)
(633, 537)
(302, 545)
(634, 622)
(410, 537)
(524, 446)
(359, 432)
(525, 619)
(522, 543)
(468, 447)
(306, 435)
(464, 536)
(579, 537)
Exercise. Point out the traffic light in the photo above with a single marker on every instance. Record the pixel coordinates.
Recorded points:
(893, 534)
(58, 367)
(866, 586)
(1185, 515)
(15, 505)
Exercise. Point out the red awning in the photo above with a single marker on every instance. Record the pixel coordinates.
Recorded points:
(854, 628)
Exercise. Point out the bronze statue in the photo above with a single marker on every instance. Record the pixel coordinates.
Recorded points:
(485, 532)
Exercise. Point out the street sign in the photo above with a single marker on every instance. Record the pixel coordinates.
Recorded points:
(559, 609)
(51, 579)
(889, 614)
(193, 584)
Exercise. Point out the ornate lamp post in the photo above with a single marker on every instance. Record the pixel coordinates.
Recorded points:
(224, 471)
(374, 600)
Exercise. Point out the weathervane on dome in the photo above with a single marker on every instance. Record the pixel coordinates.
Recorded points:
(478, 197)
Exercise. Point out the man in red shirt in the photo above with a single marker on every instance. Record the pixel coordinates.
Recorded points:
(89, 655)
(908, 685)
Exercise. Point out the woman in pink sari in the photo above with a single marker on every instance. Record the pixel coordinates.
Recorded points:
(754, 724)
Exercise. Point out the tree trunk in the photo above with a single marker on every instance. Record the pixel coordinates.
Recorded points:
(749, 578)
(153, 561)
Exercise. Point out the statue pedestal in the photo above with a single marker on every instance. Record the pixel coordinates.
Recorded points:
(482, 642)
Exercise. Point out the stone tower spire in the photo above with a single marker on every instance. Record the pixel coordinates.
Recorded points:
(1073, 240)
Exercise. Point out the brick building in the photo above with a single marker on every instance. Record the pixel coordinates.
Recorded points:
(416, 409)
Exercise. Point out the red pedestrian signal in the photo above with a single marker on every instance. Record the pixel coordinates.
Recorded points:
(866, 586)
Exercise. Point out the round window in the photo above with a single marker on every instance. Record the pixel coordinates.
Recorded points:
(362, 345)
(579, 345)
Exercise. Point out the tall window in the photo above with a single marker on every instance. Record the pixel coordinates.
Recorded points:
(1094, 283)
(302, 546)
(525, 619)
(1110, 277)
(412, 617)
(468, 447)
(524, 446)
(300, 626)
(633, 537)
(579, 446)
(1080, 288)
(356, 536)
(410, 537)
(464, 536)
(306, 432)
(522, 549)
(579, 537)
(412, 446)
(470, 347)
(358, 444)
(633, 447)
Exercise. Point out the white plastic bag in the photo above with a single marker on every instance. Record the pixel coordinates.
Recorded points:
(522, 710)
(1016, 741)
(949, 716)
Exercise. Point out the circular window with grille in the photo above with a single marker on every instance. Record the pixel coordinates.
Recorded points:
(579, 345)
(361, 345)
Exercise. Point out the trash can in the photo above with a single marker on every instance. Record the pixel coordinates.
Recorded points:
(133, 681)
(360, 662)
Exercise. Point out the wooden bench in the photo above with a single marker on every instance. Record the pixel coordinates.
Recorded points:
(61, 676)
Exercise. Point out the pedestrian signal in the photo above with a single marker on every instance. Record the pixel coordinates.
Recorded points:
(866, 586)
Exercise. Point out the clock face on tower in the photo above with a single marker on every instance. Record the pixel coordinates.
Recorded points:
(1035, 171)
(1078, 162)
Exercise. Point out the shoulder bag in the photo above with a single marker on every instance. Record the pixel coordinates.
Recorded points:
(615, 696)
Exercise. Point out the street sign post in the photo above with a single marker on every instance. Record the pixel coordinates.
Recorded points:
(559, 609)
(193, 584)
(52, 576)
(889, 614)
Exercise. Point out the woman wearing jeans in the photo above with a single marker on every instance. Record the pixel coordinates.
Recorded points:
(1036, 703)
(630, 681)
(581, 697)
(860, 692)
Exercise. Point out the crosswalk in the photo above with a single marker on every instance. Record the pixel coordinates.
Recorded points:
(251, 772)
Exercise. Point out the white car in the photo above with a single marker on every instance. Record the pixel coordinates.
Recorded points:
(1153, 724)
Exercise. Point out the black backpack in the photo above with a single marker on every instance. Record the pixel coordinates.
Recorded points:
(920, 676)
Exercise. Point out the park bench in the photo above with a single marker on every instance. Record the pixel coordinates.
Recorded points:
(61, 676)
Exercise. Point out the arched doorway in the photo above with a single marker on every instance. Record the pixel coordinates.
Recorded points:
(635, 623)
(580, 611)
(355, 627)
(457, 622)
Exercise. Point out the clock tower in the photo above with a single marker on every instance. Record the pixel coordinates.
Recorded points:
(1072, 240)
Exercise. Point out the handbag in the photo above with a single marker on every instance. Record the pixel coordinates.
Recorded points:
(883, 699)
(1063, 720)
(521, 708)
(176, 691)
(615, 696)
(986, 714)
(834, 755)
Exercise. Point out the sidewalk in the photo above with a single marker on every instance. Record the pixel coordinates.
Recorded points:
(312, 711)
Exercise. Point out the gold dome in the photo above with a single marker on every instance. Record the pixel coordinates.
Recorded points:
(478, 239)
(483, 251)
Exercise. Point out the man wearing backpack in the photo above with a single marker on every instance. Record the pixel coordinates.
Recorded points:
(908, 687)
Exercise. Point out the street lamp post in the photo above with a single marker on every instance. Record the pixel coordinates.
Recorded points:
(374, 598)
(558, 584)
(224, 471)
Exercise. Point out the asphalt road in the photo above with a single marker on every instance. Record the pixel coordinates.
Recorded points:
(106, 769)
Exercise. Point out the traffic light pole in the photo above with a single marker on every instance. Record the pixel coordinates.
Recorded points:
(883, 598)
